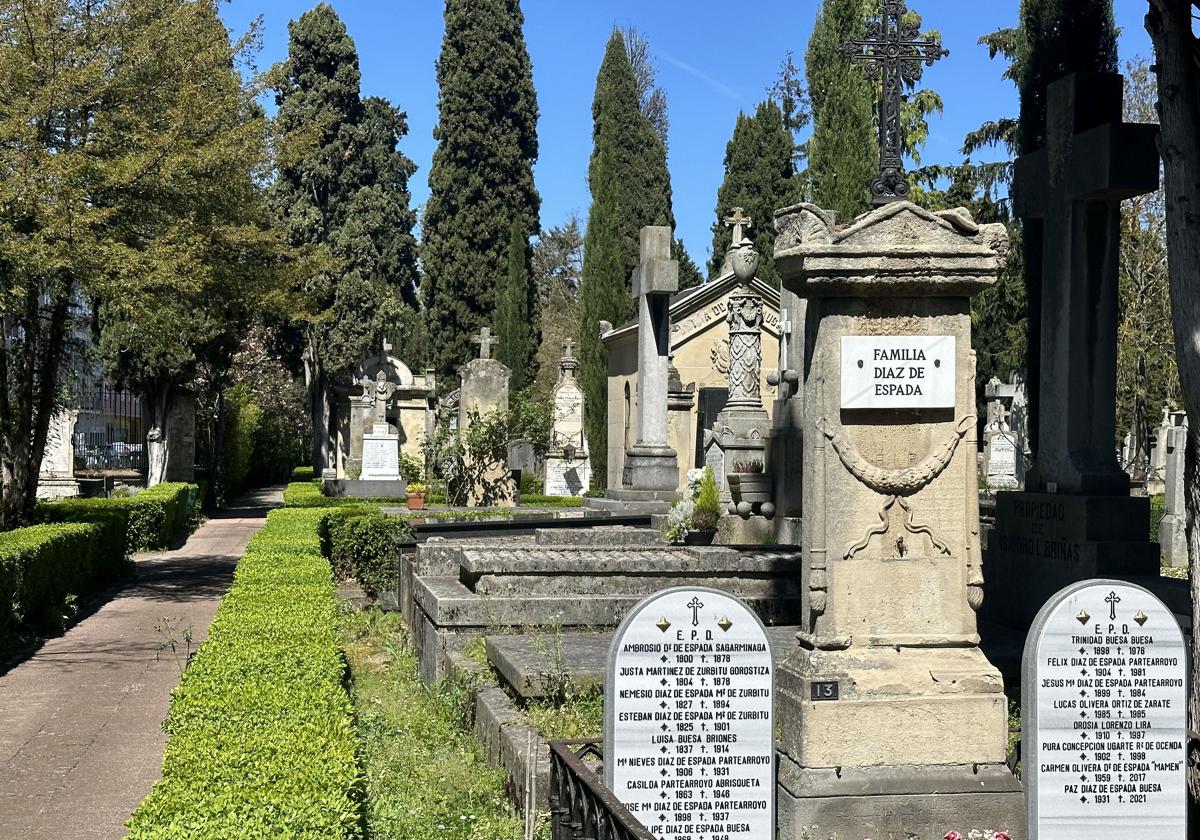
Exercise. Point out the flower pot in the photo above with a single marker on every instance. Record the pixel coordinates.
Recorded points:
(416, 501)
(750, 487)
(699, 537)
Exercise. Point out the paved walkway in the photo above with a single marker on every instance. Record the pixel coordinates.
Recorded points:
(80, 721)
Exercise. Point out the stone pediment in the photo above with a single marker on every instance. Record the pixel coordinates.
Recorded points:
(898, 249)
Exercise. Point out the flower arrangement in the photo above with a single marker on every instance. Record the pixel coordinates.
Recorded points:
(416, 488)
(698, 507)
(976, 834)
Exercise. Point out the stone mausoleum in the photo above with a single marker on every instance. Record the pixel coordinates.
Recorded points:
(700, 356)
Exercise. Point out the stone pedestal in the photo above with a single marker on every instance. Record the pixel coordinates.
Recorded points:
(56, 479)
(888, 703)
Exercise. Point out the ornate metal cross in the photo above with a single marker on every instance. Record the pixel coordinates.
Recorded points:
(739, 222)
(1112, 600)
(695, 605)
(892, 53)
(486, 342)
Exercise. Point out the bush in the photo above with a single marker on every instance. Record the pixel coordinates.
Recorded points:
(532, 485)
(40, 567)
(261, 732)
(536, 499)
(304, 474)
(708, 504)
(147, 521)
(300, 494)
(361, 544)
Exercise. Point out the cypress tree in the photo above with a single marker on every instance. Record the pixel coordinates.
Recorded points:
(630, 188)
(342, 185)
(514, 312)
(690, 275)
(843, 153)
(481, 180)
(760, 177)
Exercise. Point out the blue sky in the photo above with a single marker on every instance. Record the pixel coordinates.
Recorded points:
(714, 59)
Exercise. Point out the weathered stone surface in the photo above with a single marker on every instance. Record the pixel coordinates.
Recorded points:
(619, 535)
(484, 389)
(1172, 528)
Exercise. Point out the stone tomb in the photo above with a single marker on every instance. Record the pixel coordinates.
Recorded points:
(892, 574)
(1104, 716)
(454, 590)
(568, 470)
(689, 740)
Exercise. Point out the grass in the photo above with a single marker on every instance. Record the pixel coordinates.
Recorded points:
(427, 776)
(580, 716)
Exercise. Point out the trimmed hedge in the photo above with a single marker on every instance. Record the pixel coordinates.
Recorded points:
(40, 566)
(301, 494)
(361, 544)
(149, 520)
(304, 474)
(261, 733)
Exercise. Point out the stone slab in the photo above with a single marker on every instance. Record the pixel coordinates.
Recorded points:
(691, 561)
(525, 660)
(646, 506)
(600, 536)
(897, 803)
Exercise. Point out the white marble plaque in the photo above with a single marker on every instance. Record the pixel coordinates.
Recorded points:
(1002, 455)
(898, 371)
(567, 478)
(381, 457)
(689, 729)
(1104, 717)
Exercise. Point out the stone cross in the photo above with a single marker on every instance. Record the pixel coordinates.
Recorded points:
(486, 342)
(739, 223)
(1069, 194)
(892, 54)
(651, 464)
(568, 346)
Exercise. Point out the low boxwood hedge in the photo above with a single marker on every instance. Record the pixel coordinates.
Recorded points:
(361, 544)
(261, 737)
(150, 520)
(300, 494)
(40, 566)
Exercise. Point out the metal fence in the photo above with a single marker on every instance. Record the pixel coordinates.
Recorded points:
(109, 434)
(581, 807)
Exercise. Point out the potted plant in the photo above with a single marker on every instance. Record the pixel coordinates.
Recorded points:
(750, 488)
(706, 513)
(416, 495)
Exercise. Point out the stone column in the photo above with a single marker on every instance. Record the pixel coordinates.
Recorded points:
(892, 719)
(1172, 528)
(651, 464)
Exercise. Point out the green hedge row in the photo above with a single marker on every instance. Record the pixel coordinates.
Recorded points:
(40, 566)
(147, 521)
(360, 543)
(300, 494)
(261, 735)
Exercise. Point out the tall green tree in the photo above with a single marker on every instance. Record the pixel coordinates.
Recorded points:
(515, 310)
(341, 186)
(631, 188)
(481, 181)
(690, 275)
(760, 177)
(843, 152)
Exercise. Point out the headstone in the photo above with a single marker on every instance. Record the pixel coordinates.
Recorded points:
(381, 446)
(56, 478)
(890, 533)
(1104, 716)
(1172, 528)
(651, 464)
(483, 390)
(568, 470)
(1069, 196)
(689, 731)
(1003, 453)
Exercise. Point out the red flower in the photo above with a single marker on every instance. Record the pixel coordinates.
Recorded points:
(953, 835)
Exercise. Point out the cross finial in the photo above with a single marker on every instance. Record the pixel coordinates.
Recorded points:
(568, 346)
(891, 53)
(739, 222)
(486, 342)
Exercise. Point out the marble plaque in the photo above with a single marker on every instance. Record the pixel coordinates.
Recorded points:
(381, 456)
(898, 371)
(689, 742)
(567, 478)
(1104, 716)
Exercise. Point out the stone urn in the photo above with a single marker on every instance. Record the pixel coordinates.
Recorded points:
(751, 494)
(744, 260)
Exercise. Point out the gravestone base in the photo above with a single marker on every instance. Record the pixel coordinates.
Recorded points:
(1043, 542)
(1172, 537)
(653, 468)
(755, 530)
(896, 803)
(632, 501)
(368, 489)
(68, 488)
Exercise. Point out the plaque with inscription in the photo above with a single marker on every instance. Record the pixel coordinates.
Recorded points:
(898, 371)
(1104, 717)
(381, 456)
(1002, 455)
(689, 741)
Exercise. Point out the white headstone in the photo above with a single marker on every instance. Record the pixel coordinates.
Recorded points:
(1001, 453)
(1104, 717)
(381, 456)
(898, 371)
(689, 743)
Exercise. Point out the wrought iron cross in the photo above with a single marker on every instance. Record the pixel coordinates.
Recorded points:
(891, 52)
(695, 606)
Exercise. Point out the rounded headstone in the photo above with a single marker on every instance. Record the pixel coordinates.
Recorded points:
(689, 742)
(1104, 717)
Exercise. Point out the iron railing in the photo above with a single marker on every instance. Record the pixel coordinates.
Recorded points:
(581, 807)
